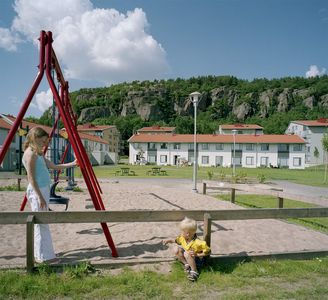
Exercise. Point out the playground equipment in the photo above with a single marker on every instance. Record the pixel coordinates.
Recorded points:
(47, 61)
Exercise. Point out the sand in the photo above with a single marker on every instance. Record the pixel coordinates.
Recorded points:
(142, 242)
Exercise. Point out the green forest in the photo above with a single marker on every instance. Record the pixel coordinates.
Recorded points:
(214, 115)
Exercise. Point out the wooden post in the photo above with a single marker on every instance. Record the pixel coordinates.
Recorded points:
(232, 196)
(204, 188)
(18, 183)
(280, 202)
(30, 243)
(207, 232)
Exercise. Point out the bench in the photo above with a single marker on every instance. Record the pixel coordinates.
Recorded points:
(235, 179)
(133, 173)
(163, 172)
(148, 172)
(117, 172)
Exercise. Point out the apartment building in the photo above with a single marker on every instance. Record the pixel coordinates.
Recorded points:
(240, 129)
(108, 133)
(251, 151)
(312, 132)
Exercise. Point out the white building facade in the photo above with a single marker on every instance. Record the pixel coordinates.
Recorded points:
(218, 150)
(312, 132)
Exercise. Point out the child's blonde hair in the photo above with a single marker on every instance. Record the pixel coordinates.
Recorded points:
(36, 132)
(188, 225)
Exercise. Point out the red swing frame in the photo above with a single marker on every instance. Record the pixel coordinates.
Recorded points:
(47, 61)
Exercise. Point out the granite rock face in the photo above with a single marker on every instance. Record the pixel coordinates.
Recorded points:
(155, 101)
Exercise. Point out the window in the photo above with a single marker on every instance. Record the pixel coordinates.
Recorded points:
(283, 161)
(190, 159)
(219, 146)
(205, 160)
(109, 136)
(152, 158)
(308, 158)
(86, 144)
(163, 158)
(151, 145)
(250, 160)
(238, 147)
(163, 145)
(176, 146)
(283, 147)
(136, 146)
(205, 146)
(240, 132)
(218, 161)
(297, 147)
(309, 149)
(265, 161)
(297, 161)
(237, 160)
(101, 147)
(250, 147)
(191, 146)
(264, 147)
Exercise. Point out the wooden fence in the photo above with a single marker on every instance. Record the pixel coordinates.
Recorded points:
(207, 216)
(280, 194)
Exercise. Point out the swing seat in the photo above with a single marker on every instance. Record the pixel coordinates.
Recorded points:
(69, 188)
(55, 199)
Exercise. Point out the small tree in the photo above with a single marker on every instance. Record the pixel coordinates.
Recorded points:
(324, 142)
(316, 155)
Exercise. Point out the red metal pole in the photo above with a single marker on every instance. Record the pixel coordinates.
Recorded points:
(70, 130)
(27, 101)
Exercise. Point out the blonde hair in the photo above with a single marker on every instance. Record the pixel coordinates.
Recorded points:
(188, 225)
(36, 132)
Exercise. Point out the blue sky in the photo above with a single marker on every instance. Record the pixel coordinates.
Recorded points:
(104, 42)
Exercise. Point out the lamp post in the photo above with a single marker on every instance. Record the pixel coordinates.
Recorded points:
(194, 98)
(234, 151)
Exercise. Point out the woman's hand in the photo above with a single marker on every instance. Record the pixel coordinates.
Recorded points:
(42, 203)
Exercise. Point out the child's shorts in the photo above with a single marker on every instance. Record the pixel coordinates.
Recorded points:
(199, 260)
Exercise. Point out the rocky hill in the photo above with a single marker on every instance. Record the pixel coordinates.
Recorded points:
(157, 102)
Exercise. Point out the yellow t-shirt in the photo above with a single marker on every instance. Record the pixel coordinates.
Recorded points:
(196, 244)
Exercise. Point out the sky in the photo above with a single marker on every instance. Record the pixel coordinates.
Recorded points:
(103, 42)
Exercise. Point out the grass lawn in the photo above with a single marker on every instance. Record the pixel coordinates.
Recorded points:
(285, 279)
(306, 176)
(261, 201)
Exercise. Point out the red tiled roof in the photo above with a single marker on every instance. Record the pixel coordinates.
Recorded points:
(156, 129)
(241, 126)
(220, 138)
(102, 127)
(312, 123)
(5, 124)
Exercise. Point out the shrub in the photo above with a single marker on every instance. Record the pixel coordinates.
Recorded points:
(261, 177)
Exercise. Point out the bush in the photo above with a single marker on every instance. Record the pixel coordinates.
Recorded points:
(261, 177)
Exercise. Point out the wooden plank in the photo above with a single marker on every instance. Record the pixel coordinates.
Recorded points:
(30, 243)
(160, 216)
(204, 188)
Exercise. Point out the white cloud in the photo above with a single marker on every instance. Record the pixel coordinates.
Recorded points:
(314, 71)
(44, 100)
(9, 40)
(95, 44)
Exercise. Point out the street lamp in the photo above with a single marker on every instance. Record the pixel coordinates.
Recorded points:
(194, 98)
(234, 151)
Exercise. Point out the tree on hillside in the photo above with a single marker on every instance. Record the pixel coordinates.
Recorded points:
(324, 142)
(316, 155)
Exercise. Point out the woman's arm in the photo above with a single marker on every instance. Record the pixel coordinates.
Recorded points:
(30, 159)
(53, 166)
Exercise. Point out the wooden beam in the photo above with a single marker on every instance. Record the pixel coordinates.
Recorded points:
(232, 196)
(30, 243)
(160, 216)
(207, 232)
(280, 202)
(270, 192)
(204, 188)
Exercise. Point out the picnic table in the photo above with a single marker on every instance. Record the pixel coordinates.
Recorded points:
(154, 171)
(125, 171)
